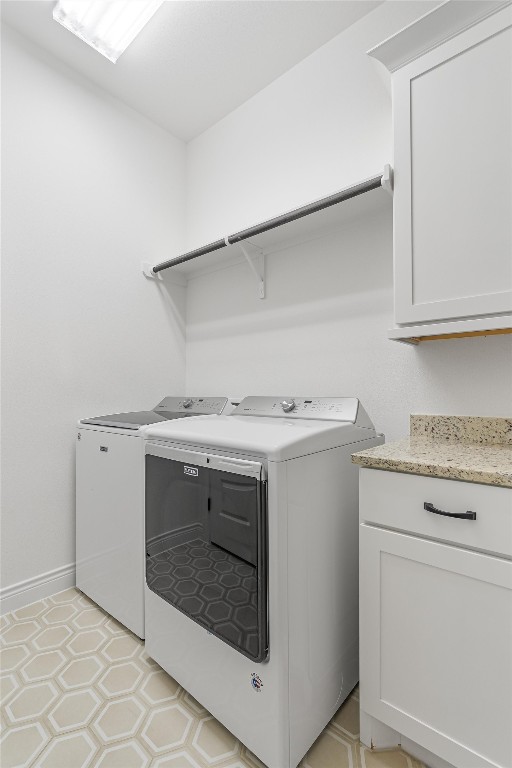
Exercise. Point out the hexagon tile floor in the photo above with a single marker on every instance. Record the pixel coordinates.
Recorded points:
(78, 691)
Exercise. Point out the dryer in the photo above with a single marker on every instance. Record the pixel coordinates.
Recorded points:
(252, 564)
(110, 504)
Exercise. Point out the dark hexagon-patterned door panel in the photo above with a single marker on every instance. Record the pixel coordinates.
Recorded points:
(206, 552)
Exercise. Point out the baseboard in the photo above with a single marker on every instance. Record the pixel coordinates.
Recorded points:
(29, 591)
(377, 735)
(426, 757)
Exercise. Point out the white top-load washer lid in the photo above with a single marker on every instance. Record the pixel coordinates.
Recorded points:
(167, 409)
(276, 427)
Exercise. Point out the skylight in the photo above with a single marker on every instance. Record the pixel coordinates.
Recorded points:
(108, 26)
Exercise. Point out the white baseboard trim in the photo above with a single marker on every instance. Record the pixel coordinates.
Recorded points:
(420, 753)
(38, 587)
(377, 735)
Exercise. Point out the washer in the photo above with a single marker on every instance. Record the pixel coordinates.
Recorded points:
(110, 504)
(252, 564)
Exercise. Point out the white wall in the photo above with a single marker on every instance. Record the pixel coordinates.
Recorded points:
(318, 128)
(322, 329)
(90, 189)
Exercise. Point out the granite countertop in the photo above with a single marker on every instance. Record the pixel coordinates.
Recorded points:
(474, 449)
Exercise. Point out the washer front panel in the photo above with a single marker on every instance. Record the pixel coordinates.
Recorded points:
(206, 543)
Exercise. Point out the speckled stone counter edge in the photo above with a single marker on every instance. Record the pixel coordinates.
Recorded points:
(488, 473)
(479, 430)
(476, 449)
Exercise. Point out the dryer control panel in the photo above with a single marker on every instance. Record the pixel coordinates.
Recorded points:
(322, 408)
(195, 405)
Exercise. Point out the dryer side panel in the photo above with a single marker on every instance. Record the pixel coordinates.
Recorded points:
(322, 589)
(110, 524)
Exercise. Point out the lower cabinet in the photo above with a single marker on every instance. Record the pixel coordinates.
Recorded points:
(436, 622)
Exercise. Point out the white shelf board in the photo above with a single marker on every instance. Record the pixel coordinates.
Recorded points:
(308, 228)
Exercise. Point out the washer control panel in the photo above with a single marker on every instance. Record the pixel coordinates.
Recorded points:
(324, 408)
(197, 405)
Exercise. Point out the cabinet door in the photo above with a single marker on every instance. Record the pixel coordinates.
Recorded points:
(453, 177)
(436, 646)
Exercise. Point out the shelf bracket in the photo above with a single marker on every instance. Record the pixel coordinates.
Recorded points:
(147, 270)
(387, 179)
(258, 273)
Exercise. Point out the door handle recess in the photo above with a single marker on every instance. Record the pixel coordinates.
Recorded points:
(461, 515)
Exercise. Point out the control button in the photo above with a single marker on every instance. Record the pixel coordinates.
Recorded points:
(188, 403)
(288, 405)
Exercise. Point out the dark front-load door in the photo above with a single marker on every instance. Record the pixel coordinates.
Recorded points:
(206, 548)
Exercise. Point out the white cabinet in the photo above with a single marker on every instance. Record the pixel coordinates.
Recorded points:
(436, 615)
(452, 123)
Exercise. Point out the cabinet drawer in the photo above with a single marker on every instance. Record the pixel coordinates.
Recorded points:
(395, 500)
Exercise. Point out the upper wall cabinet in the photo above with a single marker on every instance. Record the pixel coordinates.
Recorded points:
(452, 116)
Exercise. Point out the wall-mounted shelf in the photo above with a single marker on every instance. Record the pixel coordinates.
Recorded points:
(300, 225)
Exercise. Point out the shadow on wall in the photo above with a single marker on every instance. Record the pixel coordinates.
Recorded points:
(323, 330)
(487, 359)
(342, 276)
(171, 296)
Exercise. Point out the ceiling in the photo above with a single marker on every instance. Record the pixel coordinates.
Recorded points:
(196, 60)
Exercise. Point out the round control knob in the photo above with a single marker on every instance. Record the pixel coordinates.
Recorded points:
(288, 405)
(188, 403)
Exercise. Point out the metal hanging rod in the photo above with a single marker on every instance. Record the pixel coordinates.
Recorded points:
(210, 248)
(382, 180)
